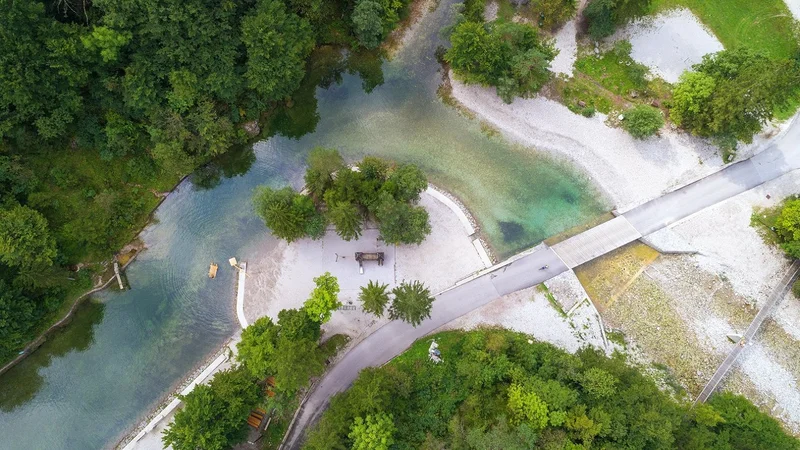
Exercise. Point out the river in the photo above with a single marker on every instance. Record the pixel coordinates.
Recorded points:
(125, 351)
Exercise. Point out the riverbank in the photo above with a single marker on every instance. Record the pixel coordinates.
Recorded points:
(629, 171)
(129, 257)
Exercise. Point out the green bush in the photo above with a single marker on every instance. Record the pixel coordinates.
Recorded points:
(731, 94)
(603, 16)
(554, 13)
(588, 111)
(348, 197)
(643, 121)
(507, 55)
(787, 227)
(796, 289)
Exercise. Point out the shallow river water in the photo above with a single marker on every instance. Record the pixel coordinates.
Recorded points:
(124, 351)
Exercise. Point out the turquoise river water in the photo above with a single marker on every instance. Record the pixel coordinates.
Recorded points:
(94, 381)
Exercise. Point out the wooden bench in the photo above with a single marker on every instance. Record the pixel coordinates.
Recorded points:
(367, 256)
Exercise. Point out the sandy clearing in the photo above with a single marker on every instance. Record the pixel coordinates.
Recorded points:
(630, 172)
(774, 382)
(669, 42)
(490, 11)
(281, 277)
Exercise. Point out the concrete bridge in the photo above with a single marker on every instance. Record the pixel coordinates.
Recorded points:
(524, 271)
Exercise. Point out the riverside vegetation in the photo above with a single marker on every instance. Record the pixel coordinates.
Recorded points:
(346, 198)
(289, 354)
(498, 389)
(214, 416)
(104, 104)
(728, 97)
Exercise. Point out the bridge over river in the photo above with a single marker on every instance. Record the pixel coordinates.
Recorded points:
(524, 271)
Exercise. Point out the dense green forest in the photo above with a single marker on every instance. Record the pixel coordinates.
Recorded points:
(497, 389)
(106, 104)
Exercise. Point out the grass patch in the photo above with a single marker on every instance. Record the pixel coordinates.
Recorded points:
(610, 81)
(617, 337)
(333, 345)
(505, 10)
(615, 70)
(551, 299)
(449, 344)
(763, 220)
(582, 89)
(763, 25)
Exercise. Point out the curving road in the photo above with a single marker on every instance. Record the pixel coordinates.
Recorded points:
(393, 338)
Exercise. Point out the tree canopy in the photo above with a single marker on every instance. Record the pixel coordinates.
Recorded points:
(324, 298)
(510, 56)
(107, 104)
(214, 415)
(496, 389)
(412, 303)
(376, 190)
(787, 227)
(731, 94)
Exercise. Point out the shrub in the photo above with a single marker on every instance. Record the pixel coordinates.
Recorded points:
(643, 121)
(507, 55)
(603, 16)
(555, 13)
(588, 111)
(787, 227)
(796, 289)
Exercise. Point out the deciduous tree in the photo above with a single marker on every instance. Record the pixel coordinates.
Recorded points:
(258, 347)
(278, 43)
(25, 239)
(324, 298)
(401, 223)
(373, 432)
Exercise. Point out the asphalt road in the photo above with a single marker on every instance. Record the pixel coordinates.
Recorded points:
(393, 338)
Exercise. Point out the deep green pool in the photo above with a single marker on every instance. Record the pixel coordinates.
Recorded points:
(124, 351)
